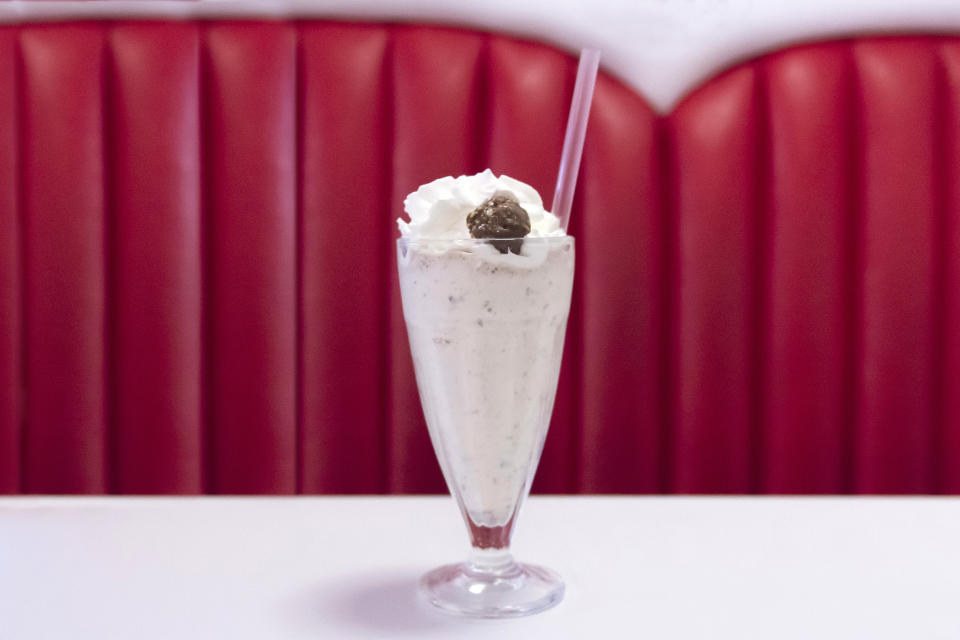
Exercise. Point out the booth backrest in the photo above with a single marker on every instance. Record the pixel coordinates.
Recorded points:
(197, 285)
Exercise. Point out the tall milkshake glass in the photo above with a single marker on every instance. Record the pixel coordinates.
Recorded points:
(486, 329)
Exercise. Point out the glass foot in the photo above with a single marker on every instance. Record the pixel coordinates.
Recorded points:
(507, 592)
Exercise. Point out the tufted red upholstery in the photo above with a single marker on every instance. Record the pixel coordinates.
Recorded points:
(197, 287)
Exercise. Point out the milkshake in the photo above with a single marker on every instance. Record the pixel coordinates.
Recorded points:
(486, 277)
(486, 333)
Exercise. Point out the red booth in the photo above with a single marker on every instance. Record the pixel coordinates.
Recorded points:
(197, 280)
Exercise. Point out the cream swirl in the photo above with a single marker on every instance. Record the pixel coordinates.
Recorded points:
(438, 209)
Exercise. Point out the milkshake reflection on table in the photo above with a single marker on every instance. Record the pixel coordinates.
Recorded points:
(486, 276)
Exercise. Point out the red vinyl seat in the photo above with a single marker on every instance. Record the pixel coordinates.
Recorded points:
(197, 286)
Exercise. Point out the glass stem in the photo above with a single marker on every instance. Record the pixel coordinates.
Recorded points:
(496, 562)
(490, 549)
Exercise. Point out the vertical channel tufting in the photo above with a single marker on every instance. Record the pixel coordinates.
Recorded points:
(759, 270)
(670, 301)
(387, 279)
(63, 206)
(251, 116)
(853, 354)
(938, 299)
(345, 110)
(10, 292)
(950, 367)
(941, 243)
(805, 391)
(298, 344)
(714, 136)
(109, 260)
(766, 288)
(529, 89)
(204, 138)
(434, 135)
(156, 279)
(893, 442)
(622, 236)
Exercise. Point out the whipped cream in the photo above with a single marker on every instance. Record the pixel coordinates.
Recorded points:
(438, 210)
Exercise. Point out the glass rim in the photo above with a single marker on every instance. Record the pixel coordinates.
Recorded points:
(475, 241)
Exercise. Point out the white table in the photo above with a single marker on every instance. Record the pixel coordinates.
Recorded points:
(657, 568)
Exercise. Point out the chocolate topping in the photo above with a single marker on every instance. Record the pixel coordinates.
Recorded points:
(500, 217)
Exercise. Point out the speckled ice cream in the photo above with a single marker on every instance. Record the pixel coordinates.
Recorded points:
(486, 333)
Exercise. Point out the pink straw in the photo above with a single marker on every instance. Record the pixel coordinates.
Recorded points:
(576, 132)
